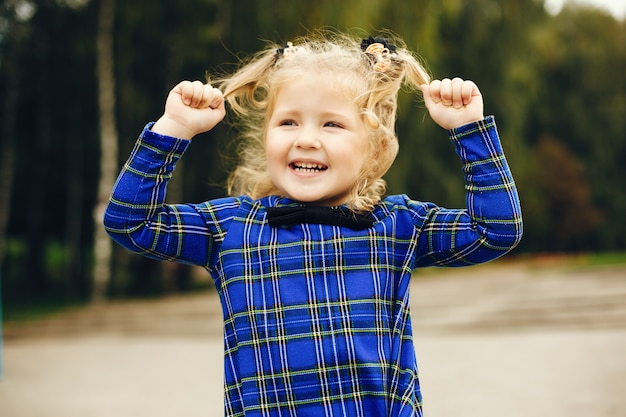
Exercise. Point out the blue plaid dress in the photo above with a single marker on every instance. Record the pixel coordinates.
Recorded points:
(316, 317)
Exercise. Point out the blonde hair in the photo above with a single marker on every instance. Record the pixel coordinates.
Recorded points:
(251, 91)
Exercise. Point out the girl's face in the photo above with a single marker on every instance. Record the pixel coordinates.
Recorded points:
(316, 142)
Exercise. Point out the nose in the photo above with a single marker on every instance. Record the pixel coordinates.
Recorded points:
(307, 139)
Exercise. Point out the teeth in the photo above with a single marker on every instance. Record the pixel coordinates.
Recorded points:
(308, 167)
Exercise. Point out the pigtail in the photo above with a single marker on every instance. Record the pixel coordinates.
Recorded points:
(414, 73)
(245, 91)
(246, 94)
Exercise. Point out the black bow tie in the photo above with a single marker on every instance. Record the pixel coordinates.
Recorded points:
(334, 216)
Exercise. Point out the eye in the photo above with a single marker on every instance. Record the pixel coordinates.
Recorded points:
(287, 122)
(333, 124)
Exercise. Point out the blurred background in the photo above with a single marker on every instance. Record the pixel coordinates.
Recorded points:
(93, 330)
(80, 78)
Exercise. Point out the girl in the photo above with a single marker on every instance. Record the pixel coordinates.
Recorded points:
(311, 263)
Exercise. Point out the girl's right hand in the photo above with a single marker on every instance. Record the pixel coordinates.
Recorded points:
(191, 108)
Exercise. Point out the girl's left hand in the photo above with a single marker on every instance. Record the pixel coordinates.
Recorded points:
(453, 103)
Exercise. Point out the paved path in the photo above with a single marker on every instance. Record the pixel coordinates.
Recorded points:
(498, 340)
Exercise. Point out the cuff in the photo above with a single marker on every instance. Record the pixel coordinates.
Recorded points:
(164, 143)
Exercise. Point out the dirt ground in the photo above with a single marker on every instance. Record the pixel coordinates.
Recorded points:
(507, 339)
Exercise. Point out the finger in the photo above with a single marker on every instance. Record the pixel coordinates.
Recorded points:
(211, 97)
(469, 90)
(185, 89)
(204, 96)
(457, 92)
(216, 98)
(446, 92)
(426, 94)
(435, 91)
(197, 94)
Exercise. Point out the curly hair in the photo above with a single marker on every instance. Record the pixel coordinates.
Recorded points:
(251, 92)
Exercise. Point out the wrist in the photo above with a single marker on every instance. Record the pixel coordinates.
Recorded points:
(167, 126)
(467, 122)
(468, 128)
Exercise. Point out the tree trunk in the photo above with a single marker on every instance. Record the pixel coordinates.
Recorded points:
(108, 146)
(7, 139)
(37, 277)
(75, 284)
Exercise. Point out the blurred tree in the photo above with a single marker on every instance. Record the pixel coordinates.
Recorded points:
(108, 145)
(12, 38)
(52, 68)
(582, 64)
(560, 212)
(40, 146)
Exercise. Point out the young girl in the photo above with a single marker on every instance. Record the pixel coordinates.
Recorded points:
(311, 263)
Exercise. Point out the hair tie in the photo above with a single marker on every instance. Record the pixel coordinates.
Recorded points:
(380, 50)
(286, 51)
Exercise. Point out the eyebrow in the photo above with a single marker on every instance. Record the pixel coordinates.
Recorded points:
(324, 115)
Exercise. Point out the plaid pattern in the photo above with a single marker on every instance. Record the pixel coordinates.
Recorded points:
(316, 317)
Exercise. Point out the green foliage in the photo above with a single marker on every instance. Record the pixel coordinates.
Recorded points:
(556, 84)
(561, 198)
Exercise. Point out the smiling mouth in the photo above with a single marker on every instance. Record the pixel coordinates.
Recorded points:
(307, 167)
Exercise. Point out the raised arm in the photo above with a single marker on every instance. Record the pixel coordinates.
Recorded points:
(137, 216)
(491, 223)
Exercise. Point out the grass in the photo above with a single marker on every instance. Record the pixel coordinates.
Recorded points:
(588, 260)
(33, 310)
(607, 259)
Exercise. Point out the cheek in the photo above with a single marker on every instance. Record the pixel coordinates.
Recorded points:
(366, 151)
(270, 157)
(356, 166)
(368, 164)
(275, 157)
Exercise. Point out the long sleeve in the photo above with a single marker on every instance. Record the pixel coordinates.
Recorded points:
(136, 216)
(491, 224)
